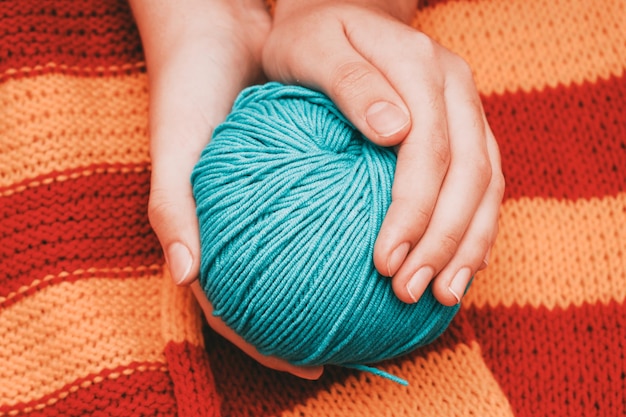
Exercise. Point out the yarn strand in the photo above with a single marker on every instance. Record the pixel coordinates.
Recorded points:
(290, 198)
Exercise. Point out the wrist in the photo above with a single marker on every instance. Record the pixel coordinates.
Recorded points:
(164, 25)
(403, 10)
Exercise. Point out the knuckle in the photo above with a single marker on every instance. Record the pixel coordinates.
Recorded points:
(484, 172)
(440, 149)
(350, 78)
(462, 67)
(158, 211)
(449, 244)
(475, 109)
(483, 242)
(424, 46)
(476, 254)
(421, 218)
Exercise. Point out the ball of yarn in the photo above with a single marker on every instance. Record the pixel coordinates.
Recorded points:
(290, 198)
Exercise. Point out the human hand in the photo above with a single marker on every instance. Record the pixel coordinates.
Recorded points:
(200, 55)
(402, 89)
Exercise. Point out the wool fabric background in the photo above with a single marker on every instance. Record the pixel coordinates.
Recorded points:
(290, 198)
(91, 323)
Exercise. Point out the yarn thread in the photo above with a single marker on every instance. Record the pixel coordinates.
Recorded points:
(290, 197)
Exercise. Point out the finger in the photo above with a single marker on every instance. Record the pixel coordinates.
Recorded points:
(422, 162)
(272, 362)
(451, 283)
(172, 208)
(172, 214)
(326, 60)
(473, 252)
(424, 155)
(184, 107)
(462, 191)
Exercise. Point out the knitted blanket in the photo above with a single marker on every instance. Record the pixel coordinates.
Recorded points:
(90, 323)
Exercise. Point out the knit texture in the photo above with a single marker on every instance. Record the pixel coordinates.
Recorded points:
(290, 198)
(91, 325)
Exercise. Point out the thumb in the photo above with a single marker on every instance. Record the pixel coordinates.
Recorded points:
(172, 214)
(349, 76)
(184, 107)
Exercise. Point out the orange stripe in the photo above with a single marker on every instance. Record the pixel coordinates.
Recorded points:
(59, 122)
(106, 384)
(181, 315)
(556, 253)
(521, 44)
(451, 382)
(69, 331)
(50, 279)
(74, 70)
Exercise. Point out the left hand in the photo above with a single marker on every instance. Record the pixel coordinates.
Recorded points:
(200, 55)
(402, 89)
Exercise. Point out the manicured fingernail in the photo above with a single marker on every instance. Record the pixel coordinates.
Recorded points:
(418, 282)
(459, 283)
(397, 257)
(179, 261)
(386, 119)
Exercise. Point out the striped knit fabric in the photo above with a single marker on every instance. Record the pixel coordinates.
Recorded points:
(91, 325)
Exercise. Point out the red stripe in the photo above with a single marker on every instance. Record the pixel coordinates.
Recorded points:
(194, 386)
(246, 388)
(140, 393)
(565, 142)
(236, 373)
(84, 34)
(557, 362)
(97, 221)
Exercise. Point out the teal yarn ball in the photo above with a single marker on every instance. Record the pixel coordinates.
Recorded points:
(290, 198)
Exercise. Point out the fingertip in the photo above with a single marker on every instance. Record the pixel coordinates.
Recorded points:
(394, 241)
(180, 262)
(172, 215)
(397, 257)
(311, 373)
(401, 291)
(450, 293)
(447, 296)
(388, 255)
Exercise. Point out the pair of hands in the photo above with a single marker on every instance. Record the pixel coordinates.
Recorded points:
(396, 85)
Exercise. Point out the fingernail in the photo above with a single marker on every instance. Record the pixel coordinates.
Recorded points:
(459, 283)
(179, 261)
(419, 281)
(397, 257)
(386, 119)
